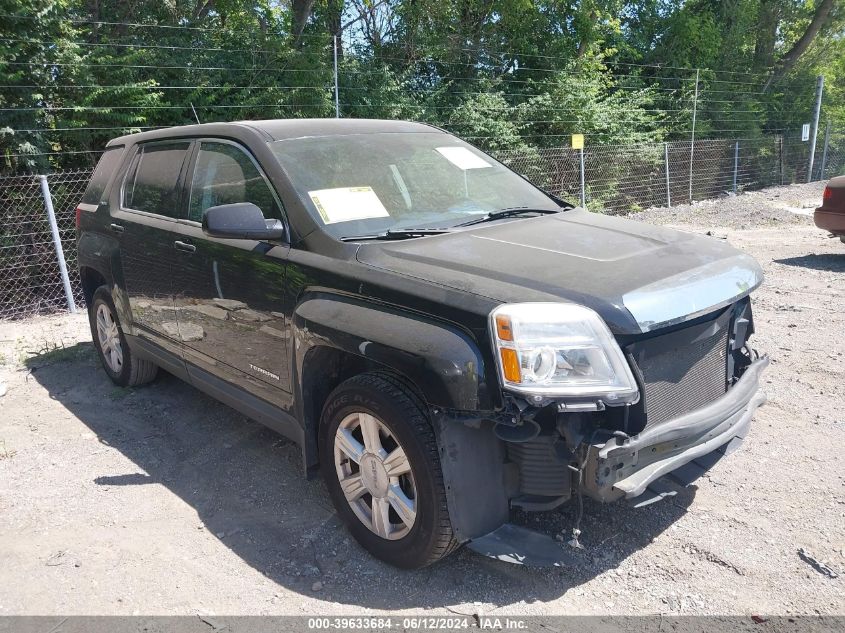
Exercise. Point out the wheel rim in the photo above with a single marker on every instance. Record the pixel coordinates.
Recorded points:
(375, 476)
(109, 338)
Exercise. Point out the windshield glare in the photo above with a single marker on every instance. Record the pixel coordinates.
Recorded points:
(368, 183)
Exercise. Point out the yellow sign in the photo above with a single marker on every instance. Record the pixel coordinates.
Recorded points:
(577, 141)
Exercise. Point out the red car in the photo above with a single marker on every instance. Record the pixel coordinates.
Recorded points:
(831, 215)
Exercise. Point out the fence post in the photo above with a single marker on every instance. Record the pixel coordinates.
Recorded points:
(336, 93)
(666, 163)
(736, 163)
(816, 112)
(57, 242)
(583, 192)
(824, 151)
(692, 138)
(781, 159)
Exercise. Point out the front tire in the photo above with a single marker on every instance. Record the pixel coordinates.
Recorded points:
(120, 364)
(379, 459)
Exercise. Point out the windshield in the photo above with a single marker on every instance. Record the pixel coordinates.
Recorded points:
(363, 184)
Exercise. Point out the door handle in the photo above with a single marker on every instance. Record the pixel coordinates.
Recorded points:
(116, 228)
(184, 246)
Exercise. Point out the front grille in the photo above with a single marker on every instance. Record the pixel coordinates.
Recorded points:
(680, 377)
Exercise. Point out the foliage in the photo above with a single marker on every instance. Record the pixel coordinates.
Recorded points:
(506, 74)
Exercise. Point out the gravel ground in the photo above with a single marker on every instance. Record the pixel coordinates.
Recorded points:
(775, 206)
(159, 500)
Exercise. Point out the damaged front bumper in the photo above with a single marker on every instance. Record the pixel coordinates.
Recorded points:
(625, 466)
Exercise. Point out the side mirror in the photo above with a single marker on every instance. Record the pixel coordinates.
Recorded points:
(240, 221)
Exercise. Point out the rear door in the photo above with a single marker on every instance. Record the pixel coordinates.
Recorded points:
(151, 201)
(230, 293)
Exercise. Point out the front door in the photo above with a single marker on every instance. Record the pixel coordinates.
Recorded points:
(230, 293)
(144, 222)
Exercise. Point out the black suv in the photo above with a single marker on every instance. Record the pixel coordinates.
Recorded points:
(444, 340)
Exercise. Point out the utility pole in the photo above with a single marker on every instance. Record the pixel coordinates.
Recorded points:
(692, 139)
(336, 92)
(815, 133)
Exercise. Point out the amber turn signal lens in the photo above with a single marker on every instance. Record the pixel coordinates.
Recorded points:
(503, 328)
(510, 365)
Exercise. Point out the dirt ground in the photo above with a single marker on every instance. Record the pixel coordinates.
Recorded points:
(159, 500)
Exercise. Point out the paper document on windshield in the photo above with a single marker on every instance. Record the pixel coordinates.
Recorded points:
(347, 203)
(462, 158)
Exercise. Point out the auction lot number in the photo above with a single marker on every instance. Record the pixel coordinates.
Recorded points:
(376, 623)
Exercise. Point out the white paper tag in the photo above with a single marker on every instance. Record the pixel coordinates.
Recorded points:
(347, 203)
(462, 158)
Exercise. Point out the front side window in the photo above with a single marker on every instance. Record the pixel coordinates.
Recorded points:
(224, 174)
(364, 183)
(152, 182)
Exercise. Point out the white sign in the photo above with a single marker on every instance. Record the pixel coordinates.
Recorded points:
(347, 203)
(805, 132)
(462, 158)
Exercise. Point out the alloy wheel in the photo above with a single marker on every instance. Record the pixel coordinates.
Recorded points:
(109, 338)
(375, 475)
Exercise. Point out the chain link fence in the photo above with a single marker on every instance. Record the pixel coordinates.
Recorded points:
(616, 180)
(625, 178)
(30, 277)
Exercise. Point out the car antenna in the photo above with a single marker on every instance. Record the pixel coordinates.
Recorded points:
(195, 112)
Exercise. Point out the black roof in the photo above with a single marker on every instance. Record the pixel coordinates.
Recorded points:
(278, 129)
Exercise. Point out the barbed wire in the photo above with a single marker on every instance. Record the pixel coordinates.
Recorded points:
(668, 116)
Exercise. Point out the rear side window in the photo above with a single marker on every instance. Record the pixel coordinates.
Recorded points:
(153, 178)
(102, 174)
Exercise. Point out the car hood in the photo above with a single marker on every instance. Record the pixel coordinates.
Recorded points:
(638, 277)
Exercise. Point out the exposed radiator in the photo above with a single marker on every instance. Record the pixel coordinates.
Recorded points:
(541, 471)
(682, 378)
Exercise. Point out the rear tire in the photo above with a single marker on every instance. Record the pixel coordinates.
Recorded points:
(120, 364)
(376, 437)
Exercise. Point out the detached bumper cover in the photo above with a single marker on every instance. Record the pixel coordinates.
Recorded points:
(625, 467)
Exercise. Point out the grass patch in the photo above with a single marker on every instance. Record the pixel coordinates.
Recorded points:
(52, 352)
(5, 453)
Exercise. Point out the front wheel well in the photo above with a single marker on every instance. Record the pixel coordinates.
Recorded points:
(323, 370)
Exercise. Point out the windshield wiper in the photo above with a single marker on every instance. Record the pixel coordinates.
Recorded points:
(510, 212)
(404, 234)
(395, 234)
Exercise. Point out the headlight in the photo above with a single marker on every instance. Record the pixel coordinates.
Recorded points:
(559, 349)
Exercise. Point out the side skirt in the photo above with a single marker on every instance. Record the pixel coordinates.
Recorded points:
(251, 406)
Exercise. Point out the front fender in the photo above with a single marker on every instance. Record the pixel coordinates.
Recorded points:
(443, 362)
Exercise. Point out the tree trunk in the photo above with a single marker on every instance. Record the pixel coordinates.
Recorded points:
(472, 18)
(202, 8)
(301, 13)
(586, 39)
(334, 15)
(764, 48)
(788, 61)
